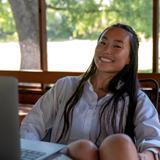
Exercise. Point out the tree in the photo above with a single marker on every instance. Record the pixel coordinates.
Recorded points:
(137, 13)
(26, 17)
(86, 19)
(7, 25)
(75, 15)
(81, 19)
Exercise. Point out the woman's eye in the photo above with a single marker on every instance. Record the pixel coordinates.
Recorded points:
(117, 46)
(102, 43)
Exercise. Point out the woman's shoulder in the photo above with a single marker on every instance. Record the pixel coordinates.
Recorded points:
(141, 94)
(142, 97)
(69, 80)
(144, 102)
(64, 87)
(66, 84)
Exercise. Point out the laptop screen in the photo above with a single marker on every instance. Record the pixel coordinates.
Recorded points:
(9, 123)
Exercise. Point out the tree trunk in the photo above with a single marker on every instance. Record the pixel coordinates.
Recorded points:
(26, 18)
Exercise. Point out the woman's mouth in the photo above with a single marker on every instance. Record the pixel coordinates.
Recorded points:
(105, 60)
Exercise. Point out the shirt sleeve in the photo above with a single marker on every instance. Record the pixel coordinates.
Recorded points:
(147, 124)
(42, 115)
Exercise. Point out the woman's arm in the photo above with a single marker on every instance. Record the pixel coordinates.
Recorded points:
(42, 114)
(147, 126)
(35, 123)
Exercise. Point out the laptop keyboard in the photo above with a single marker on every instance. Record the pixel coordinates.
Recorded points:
(27, 154)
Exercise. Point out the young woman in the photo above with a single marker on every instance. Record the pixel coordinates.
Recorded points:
(101, 114)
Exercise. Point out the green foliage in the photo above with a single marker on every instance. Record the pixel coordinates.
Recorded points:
(137, 13)
(86, 19)
(72, 19)
(7, 24)
(145, 71)
(83, 19)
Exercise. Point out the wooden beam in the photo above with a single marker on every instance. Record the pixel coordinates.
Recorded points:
(38, 76)
(47, 77)
(43, 35)
(155, 31)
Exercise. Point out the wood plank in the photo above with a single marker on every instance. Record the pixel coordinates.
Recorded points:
(50, 77)
(37, 76)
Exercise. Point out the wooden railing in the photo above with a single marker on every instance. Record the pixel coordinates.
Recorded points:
(46, 78)
(37, 76)
(50, 77)
(31, 93)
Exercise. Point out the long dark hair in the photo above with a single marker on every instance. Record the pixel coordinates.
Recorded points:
(128, 75)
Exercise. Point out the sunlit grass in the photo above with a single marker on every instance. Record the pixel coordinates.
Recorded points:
(73, 55)
(10, 56)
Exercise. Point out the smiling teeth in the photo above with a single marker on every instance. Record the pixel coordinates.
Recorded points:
(105, 59)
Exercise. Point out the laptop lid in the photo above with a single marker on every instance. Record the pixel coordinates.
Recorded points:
(9, 123)
(10, 145)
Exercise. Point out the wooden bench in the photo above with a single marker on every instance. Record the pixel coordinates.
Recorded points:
(34, 84)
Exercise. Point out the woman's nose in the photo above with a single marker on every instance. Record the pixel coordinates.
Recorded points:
(107, 49)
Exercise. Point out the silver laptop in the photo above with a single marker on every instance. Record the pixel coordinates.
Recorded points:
(11, 147)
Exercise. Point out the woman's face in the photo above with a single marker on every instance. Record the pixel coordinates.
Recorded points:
(112, 51)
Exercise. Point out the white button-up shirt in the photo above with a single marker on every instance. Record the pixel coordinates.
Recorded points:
(48, 111)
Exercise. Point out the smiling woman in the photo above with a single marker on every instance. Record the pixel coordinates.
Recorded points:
(66, 27)
(112, 51)
(61, 36)
(114, 112)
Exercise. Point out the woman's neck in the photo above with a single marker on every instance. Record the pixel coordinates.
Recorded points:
(100, 83)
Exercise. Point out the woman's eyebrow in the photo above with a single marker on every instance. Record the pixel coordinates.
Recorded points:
(119, 41)
(116, 40)
(104, 37)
